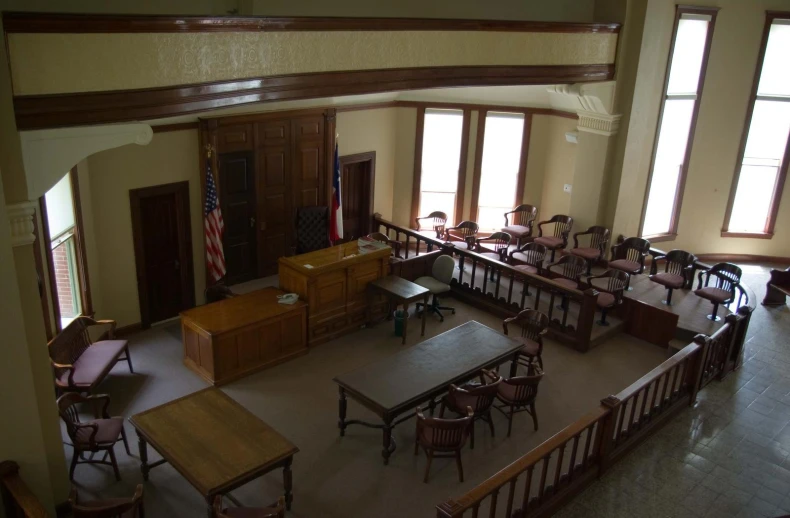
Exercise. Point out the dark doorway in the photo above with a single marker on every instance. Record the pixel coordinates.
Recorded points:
(357, 176)
(162, 250)
(239, 211)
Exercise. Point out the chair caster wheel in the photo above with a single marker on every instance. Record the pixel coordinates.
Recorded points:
(453, 312)
(441, 319)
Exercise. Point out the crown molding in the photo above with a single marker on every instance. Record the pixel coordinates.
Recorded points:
(598, 123)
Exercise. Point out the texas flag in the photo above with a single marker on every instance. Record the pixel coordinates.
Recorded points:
(336, 211)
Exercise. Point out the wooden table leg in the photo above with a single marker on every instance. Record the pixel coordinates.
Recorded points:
(387, 446)
(288, 483)
(210, 506)
(142, 446)
(424, 314)
(405, 321)
(514, 365)
(342, 404)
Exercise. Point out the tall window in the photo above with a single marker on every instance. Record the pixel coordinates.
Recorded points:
(682, 91)
(762, 164)
(440, 163)
(499, 182)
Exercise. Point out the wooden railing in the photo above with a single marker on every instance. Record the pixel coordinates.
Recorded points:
(17, 499)
(503, 290)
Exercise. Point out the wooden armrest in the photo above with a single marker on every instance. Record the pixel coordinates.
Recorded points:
(576, 237)
(540, 229)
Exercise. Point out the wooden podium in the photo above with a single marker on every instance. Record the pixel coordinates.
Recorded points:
(334, 283)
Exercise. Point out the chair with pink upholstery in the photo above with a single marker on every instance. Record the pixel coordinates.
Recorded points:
(678, 266)
(432, 225)
(519, 225)
(275, 510)
(629, 257)
(567, 271)
(534, 325)
(95, 435)
(494, 246)
(596, 249)
(462, 235)
(442, 438)
(477, 396)
(610, 286)
(559, 235)
(518, 394)
(727, 278)
(110, 508)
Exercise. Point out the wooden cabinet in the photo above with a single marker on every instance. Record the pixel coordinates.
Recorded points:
(334, 282)
(230, 339)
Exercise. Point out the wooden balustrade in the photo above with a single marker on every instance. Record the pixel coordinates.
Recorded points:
(17, 499)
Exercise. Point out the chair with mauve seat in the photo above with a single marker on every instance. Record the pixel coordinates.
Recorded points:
(728, 278)
(395, 245)
(478, 396)
(442, 438)
(432, 225)
(528, 259)
(610, 286)
(494, 247)
(462, 235)
(110, 508)
(534, 325)
(559, 235)
(679, 264)
(518, 394)
(521, 220)
(599, 238)
(629, 257)
(567, 272)
(275, 510)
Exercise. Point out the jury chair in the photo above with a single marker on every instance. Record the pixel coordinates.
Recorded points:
(559, 235)
(518, 394)
(462, 235)
(528, 259)
(440, 437)
(110, 508)
(383, 238)
(275, 510)
(596, 249)
(93, 436)
(534, 325)
(610, 286)
(494, 247)
(312, 229)
(727, 277)
(567, 271)
(629, 256)
(438, 283)
(477, 396)
(432, 225)
(678, 266)
(519, 224)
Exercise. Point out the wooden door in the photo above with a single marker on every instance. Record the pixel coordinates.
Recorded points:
(356, 186)
(163, 251)
(273, 161)
(239, 212)
(308, 174)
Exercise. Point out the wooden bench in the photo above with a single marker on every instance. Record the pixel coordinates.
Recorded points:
(80, 364)
(777, 288)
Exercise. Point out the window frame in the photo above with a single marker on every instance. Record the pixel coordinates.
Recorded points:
(462, 162)
(776, 196)
(672, 232)
(521, 178)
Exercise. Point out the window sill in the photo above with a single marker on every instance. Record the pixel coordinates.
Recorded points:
(658, 238)
(750, 235)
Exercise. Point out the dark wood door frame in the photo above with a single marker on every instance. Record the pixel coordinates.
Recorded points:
(368, 156)
(181, 190)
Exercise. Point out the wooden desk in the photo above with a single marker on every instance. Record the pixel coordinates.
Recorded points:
(404, 292)
(215, 443)
(396, 385)
(226, 340)
(334, 283)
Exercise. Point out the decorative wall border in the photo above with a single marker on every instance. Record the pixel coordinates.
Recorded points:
(20, 217)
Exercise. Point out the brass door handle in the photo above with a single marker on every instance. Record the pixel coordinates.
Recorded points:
(252, 222)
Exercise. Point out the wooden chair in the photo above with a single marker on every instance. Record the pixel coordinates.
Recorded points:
(97, 435)
(610, 285)
(442, 438)
(728, 278)
(777, 288)
(479, 397)
(494, 247)
(395, 245)
(679, 264)
(629, 256)
(522, 218)
(518, 394)
(462, 235)
(434, 224)
(528, 259)
(534, 325)
(567, 271)
(559, 238)
(218, 292)
(112, 508)
(599, 238)
(79, 363)
(276, 510)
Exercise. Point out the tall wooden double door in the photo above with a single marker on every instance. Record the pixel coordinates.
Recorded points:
(268, 166)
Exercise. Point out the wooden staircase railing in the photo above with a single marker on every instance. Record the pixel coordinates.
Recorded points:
(17, 499)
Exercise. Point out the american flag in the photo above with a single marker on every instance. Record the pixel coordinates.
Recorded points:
(214, 226)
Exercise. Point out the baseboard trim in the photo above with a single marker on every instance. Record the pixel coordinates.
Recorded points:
(743, 258)
(131, 328)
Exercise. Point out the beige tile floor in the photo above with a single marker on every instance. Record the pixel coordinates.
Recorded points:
(728, 455)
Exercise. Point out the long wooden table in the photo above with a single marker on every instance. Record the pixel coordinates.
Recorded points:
(215, 443)
(397, 384)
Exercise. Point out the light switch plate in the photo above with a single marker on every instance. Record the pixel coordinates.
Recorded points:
(567, 188)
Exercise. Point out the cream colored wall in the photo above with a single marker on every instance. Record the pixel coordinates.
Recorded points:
(170, 157)
(372, 130)
(725, 99)
(559, 165)
(404, 165)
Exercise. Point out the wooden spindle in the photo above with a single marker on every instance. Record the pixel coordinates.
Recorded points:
(492, 507)
(510, 495)
(587, 446)
(558, 469)
(527, 490)
(543, 474)
(574, 449)
(498, 282)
